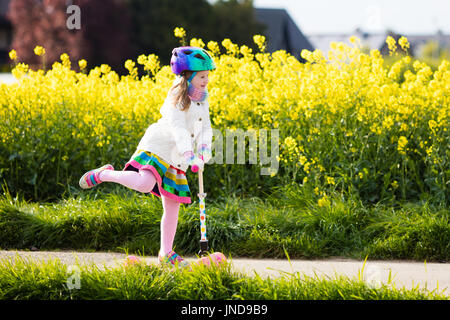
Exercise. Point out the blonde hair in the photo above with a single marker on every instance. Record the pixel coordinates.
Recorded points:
(180, 91)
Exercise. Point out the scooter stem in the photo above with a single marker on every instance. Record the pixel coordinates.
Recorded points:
(201, 195)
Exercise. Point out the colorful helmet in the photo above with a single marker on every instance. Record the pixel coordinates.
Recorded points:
(191, 59)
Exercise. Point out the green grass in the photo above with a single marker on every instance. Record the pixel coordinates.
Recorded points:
(25, 279)
(288, 220)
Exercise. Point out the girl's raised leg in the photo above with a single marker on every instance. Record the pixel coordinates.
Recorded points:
(142, 181)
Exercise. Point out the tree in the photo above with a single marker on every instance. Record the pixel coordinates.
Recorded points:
(106, 32)
(102, 38)
(155, 20)
(41, 23)
(115, 30)
(235, 19)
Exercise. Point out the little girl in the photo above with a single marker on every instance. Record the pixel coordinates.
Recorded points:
(167, 148)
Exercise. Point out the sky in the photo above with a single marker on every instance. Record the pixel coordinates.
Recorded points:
(408, 17)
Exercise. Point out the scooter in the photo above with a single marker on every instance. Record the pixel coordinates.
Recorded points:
(206, 258)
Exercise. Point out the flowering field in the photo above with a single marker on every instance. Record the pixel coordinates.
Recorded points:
(348, 124)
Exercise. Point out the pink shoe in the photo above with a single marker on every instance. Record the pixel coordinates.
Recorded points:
(131, 260)
(173, 259)
(91, 178)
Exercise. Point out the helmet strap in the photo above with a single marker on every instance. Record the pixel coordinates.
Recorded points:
(192, 76)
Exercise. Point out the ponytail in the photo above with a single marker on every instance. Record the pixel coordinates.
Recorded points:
(181, 91)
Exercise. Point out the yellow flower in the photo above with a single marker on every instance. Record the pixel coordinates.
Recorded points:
(388, 122)
(394, 184)
(391, 44)
(20, 70)
(303, 159)
(213, 46)
(65, 59)
(406, 59)
(330, 180)
(179, 32)
(290, 143)
(151, 63)
(82, 64)
(307, 55)
(197, 43)
(306, 167)
(129, 64)
(142, 59)
(417, 65)
(266, 117)
(403, 42)
(324, 201)
(402, 142)
(273, 172)
(246, 51)
(404, 127)
(355, 40)
(13, 54)
(260, 41)
(39, 51)
(104, 68)
(317, 55)
(432, 124)
(232, 48)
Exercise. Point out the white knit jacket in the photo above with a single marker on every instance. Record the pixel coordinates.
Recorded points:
(178, 131)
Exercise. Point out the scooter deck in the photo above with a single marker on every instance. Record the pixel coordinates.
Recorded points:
(216, 258)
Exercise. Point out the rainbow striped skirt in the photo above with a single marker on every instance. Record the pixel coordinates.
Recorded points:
(170, 181)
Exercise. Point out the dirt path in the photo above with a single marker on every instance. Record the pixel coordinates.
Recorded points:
(404, 273)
